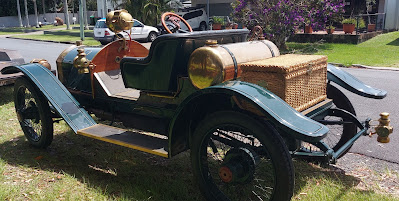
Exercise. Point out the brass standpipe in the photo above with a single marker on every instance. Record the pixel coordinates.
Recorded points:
(383, 129)
(42, 62)
(81, 62)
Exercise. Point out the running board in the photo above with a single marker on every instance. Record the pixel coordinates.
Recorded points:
(143, 142)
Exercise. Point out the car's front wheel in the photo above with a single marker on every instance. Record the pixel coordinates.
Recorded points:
(151, 36)
(33, 113)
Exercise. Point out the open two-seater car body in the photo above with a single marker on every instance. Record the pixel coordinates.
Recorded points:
(241, 136)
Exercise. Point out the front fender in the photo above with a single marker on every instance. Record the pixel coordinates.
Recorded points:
(58, 96)
(352, 84)
(261, 102)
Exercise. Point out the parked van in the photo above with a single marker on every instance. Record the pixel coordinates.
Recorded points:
(195, 16)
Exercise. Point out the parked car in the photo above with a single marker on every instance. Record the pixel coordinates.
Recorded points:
(186, 88)
(139, 31)
(195, 16)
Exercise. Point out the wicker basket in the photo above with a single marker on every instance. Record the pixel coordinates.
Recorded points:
(300, 80)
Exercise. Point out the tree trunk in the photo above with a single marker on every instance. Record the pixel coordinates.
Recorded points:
(19, 14)
(36, 16)
(44, 11)
(55, 8)
(66, 14)
(26, 14)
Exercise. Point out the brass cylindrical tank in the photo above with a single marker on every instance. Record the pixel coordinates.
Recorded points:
(213, 63)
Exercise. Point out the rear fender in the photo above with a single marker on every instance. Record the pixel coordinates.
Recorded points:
(246, 97)
(352, 84)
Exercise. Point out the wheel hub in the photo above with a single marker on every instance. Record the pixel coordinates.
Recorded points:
(225, 174)
(238, 166)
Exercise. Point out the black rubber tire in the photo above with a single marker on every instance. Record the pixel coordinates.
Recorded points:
(202, 26)
(28, 98)
(273, 146)
(151, 36)
(348, 130)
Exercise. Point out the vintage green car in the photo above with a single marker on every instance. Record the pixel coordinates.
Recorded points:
(187, 93)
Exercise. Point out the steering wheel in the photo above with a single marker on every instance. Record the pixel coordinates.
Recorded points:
(174, 21)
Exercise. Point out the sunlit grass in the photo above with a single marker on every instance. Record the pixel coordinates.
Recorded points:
(60, 38)
(382, 50)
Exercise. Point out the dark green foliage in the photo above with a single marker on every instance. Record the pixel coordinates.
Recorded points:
(148, 12)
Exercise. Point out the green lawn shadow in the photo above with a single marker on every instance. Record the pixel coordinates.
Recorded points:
(394, 42)
(124, 173)
(6, 94)
(117, 171)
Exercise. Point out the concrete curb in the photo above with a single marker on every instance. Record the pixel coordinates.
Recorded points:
(374, 67)
(50, 41)
(366, 67)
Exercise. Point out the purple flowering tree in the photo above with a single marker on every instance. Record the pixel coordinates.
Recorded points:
(280, 18)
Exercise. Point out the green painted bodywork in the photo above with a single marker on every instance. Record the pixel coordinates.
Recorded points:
(168, 58)
(158, 74)
(58, 96)
(352, 84)
(168, 97)
(271, 106)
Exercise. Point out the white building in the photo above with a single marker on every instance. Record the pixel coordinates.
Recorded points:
(104, 6)
(391, 10)
(216, 7)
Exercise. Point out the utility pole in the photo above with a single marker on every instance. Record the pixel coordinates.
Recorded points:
(26, 13)
(36, 16)
(82, 33)
(85, 14)
(19, 14)
(105, 8)
(66, 13)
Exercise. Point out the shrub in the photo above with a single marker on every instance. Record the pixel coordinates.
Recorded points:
(279, 18)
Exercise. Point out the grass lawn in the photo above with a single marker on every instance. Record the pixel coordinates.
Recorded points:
(45, 27)
(382, 50)
(61, 38)
(78, 168)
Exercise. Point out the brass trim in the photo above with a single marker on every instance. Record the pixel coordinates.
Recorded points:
(59, 61)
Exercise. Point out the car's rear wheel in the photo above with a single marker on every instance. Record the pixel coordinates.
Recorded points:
(151, 36)
(33, 113)
(202, 26)
(236, 157)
